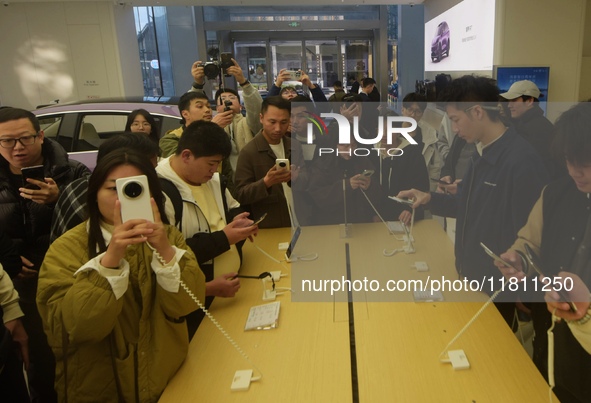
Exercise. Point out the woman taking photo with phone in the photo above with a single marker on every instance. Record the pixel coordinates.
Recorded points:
(110, 296)
(141, 121)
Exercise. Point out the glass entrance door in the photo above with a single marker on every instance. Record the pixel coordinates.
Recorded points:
(324, 60)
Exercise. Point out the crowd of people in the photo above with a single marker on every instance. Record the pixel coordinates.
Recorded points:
(97, 306)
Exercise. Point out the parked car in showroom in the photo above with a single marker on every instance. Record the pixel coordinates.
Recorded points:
(440, 43)
(80, 127)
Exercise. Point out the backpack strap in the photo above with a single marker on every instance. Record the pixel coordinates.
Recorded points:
(177, 201)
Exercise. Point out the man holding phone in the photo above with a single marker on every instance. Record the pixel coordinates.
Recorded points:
(260, 182)
(25, 216)
(558, 230)
(501, 186)
(212, 222)
(290, 92)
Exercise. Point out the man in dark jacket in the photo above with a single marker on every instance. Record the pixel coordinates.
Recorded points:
(25, 215)
(530, 122)
(503, 181)
(259, 182)
(558, 230)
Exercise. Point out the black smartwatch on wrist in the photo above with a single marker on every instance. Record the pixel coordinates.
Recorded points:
(197, 86)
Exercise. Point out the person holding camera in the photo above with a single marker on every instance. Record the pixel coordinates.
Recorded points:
(113, 293)
(289, 92)
(194, 106)
(241, 129)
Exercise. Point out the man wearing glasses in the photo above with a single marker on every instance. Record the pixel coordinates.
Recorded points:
(25, 216)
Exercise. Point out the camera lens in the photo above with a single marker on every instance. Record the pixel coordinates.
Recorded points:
(211, 70)
(282, 164)
(133, 189)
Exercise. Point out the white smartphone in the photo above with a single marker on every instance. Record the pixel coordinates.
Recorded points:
(134, 195)
(403, 201)
(282, 164)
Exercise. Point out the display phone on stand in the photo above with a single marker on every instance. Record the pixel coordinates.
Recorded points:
(282, 164)
(134, 195)
(292, 244)
(36, 172)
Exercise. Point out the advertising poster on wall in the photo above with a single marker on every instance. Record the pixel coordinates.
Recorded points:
(540, 76)
(462, 38)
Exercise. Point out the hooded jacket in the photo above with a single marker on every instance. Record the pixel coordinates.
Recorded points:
(194, 225)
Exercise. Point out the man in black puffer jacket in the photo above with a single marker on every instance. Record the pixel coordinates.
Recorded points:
(25, 216)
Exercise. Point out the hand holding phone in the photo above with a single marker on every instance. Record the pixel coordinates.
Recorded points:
(282, 164)
(495, 257)
(367, 173)
(441, 182)
(403, 201)
(261, 218)
(35, 172)
(533, 262)
(295, 75)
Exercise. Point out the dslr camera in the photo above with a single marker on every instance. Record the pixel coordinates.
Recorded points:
(212, 69)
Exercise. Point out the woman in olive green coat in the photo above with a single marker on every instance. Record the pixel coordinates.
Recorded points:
(111, 298)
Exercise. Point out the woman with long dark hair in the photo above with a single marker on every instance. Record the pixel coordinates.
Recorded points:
(111, 294)
(141, 121)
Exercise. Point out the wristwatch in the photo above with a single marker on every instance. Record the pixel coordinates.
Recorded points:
(244, 83)
(197, 86)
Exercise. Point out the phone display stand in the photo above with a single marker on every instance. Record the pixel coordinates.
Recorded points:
(269, 293)
(344, 230)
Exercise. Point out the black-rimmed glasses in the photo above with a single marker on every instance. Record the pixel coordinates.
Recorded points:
(24, 140)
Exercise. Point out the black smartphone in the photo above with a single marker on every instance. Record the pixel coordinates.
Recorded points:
(227, 106)
(532, 260)
(440, 181)
(35, 172)
(226, 60)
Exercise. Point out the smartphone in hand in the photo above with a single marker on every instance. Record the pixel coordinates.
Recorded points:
(35, 172)
(495, 257)
(261, 218)
(367, 173)
(134, 195)
(282, 164)
(532, 260)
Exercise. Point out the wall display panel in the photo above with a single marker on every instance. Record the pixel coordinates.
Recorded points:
(461, 38)
(540, 76)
